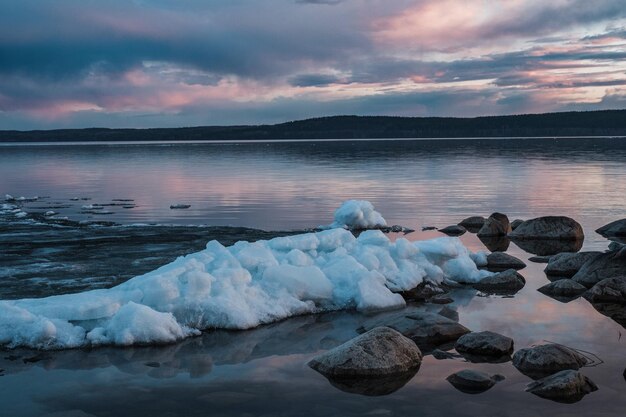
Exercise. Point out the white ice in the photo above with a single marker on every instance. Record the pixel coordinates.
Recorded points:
(357, 214)
(239, 287)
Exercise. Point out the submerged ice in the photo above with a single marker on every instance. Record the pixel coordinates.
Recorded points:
(240, 287)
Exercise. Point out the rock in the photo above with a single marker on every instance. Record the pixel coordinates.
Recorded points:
(549, 227)
(500, 261)
(515, 223)
(546, 247)
(496, 225)
(441, 299)
(180, 206)
(565, 386)
(540, 259)
(449, 313)
(473, 382)
(426, 228)
(565, 288)
(427, 330)
(442, 354)
(613, 229)
(567, 264)
(616, 246)
(606, 265)
(454, 230)
(610, 290)
(507, 282)
(495, 243)
(379, 352)
(473, 224)
(617, 312)
(484, 344)
(539, 361)
(424, 291)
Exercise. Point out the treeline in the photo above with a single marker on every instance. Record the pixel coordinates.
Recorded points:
(592, 123)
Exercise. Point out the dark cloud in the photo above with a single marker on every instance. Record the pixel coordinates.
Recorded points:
(313, 80)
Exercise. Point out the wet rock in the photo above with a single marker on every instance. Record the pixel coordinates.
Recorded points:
(500, 261)
(180, 206)
(606, 265)
(507, 282)
(496, 225)
(473, 224)
(610, 290)
(426, 228)
(567, 386)
(549, 227)
(540, 259)
(515, 223)
(473, 382)
(613, 229)
(616, 312)
(565, 288)
(442, 354)
(454, 230)
(379, 352)
(427, 330)
(616, 246)
(495, 243)
(441, 299)
(450, 313)
(567, 264)
(539, 361)
(484, 344)
(424, 291)
(544, 247)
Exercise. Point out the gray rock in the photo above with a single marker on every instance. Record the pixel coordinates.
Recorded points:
(473, 224)
(549, 227)
(484, 344)
(427, 330)
(606, 265)
(515, 223)
(610, 290)
(567, 264)
(507, 282)
(454, 230)
(563, 288)
(565, 386)
(539, 361)
(613, 229)
(540, 259)
(473, 382)
(379, 352)
(616, 246)
(496, 225)
(449, 313)
(424, 291)
(500, 261)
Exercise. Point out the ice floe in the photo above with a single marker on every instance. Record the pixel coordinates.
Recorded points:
(357, 214)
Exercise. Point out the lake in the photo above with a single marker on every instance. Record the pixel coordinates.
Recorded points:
(281, 187)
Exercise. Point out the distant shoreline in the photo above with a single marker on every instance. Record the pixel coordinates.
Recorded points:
(590, 124)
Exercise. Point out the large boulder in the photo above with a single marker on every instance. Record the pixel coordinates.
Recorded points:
(610, 290)
(379, 352)
(473, 382)
(542, 360)
(606, 265)
(500, 261)
(484, 344)
(565, 386)
(613, 229)
(473, 224)
(427, 330)
(563, 288)
(496, 225)
(567, 264)
(549, 227)
(507, 282)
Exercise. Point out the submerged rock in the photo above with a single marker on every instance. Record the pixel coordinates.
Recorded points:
(473, 382)
(606, 265)
(539, 361)
(507, 282)
(567, 264)
(549, 227)
(610, 290)
(500, 261)
(473, 224)
(484, 344)
(567, 386)
(454, 230)
(496, 225)
(565, 288)
(613, 229)
(379, 352)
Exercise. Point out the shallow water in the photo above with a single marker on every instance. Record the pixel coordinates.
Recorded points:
(281, 186)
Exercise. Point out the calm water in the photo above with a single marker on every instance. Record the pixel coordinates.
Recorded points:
(278, 186)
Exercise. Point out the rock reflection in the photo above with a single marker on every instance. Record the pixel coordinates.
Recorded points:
(495, 243)
(548, 247)
(373, 387)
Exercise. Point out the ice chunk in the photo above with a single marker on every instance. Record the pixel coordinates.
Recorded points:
(358, 214)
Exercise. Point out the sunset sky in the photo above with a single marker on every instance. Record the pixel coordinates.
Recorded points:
(143, 63)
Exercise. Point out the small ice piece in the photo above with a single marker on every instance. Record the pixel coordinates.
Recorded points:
(180, 206)
(50, 213)
(21, 214)
(9, 197)
(358, 214)
(92, 207)
(74, 199)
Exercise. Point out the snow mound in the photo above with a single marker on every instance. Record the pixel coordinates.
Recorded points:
(358, 214)
(239, 287)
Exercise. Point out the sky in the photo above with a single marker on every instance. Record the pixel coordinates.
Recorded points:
(169, 63)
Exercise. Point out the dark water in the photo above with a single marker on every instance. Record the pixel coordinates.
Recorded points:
(294, 186)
